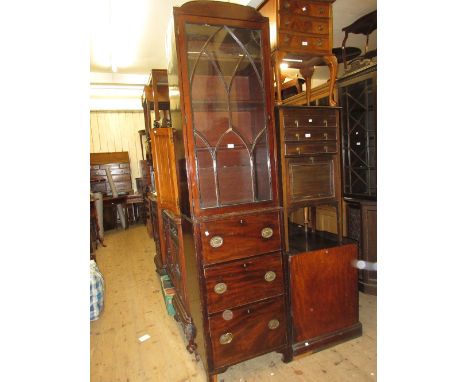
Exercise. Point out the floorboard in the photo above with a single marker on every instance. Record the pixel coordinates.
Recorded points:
(134, 307)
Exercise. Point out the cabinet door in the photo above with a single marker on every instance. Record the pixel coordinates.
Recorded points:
(358, 97)
(162, 143)
(324, 295)
(228, 118)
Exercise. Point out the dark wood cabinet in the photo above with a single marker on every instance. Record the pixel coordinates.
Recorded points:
(223, 227)
(358, 97)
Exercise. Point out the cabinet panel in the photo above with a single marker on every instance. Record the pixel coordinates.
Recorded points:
(324, 293)
(230, 125)
(240, 236)
(251, 330)
(310, 179)
(243, 282)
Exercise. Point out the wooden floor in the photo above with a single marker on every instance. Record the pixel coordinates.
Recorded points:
(134, 307)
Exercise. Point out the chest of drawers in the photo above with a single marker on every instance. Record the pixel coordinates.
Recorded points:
(310, 158)
(301, 36)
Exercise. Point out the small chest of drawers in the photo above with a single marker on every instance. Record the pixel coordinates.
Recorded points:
(301, 33)
(310, 156)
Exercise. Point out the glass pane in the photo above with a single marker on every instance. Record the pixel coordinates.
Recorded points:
(229, 114)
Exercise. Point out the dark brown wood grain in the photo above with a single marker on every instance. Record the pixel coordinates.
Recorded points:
(251, 335)
(241, 235)
(324, 295)
(245, 281)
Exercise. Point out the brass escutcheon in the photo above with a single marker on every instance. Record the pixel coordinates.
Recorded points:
(220, 288)
(270, 276)
(267, 232)
(227, 338)
(216, 241)
(273, 324)
(228, 315)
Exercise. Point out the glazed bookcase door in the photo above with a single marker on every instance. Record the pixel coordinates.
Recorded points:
(230, 119)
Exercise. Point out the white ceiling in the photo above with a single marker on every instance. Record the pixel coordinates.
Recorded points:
(131, 36)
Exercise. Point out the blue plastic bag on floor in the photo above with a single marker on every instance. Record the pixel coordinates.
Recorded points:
(96, 292)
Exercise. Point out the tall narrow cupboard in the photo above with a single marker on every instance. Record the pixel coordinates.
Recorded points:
(225, 238)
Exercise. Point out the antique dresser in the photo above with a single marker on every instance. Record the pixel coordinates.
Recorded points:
(224, 238)
(301, 34)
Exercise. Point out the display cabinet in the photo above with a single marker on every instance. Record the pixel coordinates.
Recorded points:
(229, 230)
(358, 96)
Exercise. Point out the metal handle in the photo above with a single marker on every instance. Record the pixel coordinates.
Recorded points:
(304, 9)
(298, 149)
(287, 5)
(325, 135)
(228, 315)
(320, 27)
(325, 148)
(220, 288)
(216, 241)
(270, 276)
(319, 42)
(267, 232)
(273, 324)
(325, 122)
(297, 123)
(321, 10)
(226, 338)
(297, 136)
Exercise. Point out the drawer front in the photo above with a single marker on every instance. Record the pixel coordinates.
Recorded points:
(243, 333)
(303, 43)
(306, 8)
(301, 24)
(244, 282)
(310, 179)
(310, 118)
(240, 236)
(312, 148)
(310, 134)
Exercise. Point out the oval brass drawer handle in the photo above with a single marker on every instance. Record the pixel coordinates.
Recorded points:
(216, 241)
(270, 276)
(267, 232)
(273, 324)
(220, 288)
(226, 338)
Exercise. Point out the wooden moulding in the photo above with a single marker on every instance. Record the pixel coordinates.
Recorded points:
(325, 341)
(219, 9)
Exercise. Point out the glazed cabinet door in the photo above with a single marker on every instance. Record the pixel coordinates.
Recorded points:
(229, 114)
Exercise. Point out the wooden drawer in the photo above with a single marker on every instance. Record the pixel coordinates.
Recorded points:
(240, 236)
(310, 134)
(295, 23)
(303, 43)
(295, 118)
(244, 282)
(306, 8)
(312, 148)
(310, 179)
(243, 333)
